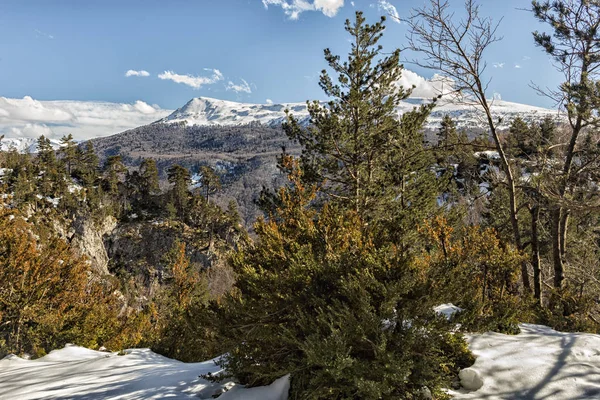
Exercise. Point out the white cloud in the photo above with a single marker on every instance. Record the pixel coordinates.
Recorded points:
(132, 72)
(32, 110)
(193, 81)
(293, 8)
(143, 107)
(32, 131)
(517, 66)
(352, 4)
(269, 101)
(497, 96)
(242, 87)
(425, 88)
(329, 7)
(499, 65)
(389, 9)
(27, 117)
(39, 33)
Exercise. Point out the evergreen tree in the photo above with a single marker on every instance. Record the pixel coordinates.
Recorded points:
(447, 133)
(88, 165)
(349, 140)
(51, 178)
(574, 45)
(180, 178)
(113, 174)
(42, 287)
(149, 180)
(182, 309)
(547, 133)
(210, 181)
(521, 138)
(68, 150)
(318, 299)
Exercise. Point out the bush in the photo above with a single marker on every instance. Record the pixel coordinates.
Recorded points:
(474, 270)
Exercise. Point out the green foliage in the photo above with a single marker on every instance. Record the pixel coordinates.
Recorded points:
(114, 171)
(182, 327)
(46, 296)
(353, 139)
(472, 268)
(180, 178)
(211, 182)
(318, 299)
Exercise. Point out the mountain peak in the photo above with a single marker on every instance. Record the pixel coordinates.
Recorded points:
(210, 111)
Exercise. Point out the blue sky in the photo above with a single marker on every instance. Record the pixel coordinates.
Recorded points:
(231, 49)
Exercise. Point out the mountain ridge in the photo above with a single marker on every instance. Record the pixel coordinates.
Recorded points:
(208, 111)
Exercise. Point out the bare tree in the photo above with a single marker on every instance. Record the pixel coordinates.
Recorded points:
(456, 47)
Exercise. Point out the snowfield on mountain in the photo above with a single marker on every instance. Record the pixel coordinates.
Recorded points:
(208, 111)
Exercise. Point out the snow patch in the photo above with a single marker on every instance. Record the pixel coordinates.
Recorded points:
(447, 310)
(538, 363)
(77, 372)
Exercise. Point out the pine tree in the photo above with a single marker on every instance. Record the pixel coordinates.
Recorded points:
(350, 138)
(471, 267)
(181, 313)
(210, 181)
(180, 178)
(447, 133)
(88, 165)
(574, 45)
(113, 174)
(68, 149)
(149, 180)
(51, 178)
(42, 287)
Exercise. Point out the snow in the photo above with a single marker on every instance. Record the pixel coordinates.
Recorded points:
(24, 144)
(209, 111)
(539, 363)
(79, 373)
(53, 200)
(75, 188)
(87, 120)
(447, 310)
(489, 154)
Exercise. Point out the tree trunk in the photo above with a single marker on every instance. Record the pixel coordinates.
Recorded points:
(514, 219)
(557, 250)
(535, 254)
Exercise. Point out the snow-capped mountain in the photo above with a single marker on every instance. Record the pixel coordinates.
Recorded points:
(88, 119)
(24, 145)
(208, 111)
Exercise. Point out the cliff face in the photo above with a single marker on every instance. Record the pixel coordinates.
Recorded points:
(88, 240)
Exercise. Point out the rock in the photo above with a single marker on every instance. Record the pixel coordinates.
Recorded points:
(89, 241)
(470, 379)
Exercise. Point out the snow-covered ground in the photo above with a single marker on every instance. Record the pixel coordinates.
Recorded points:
(78, 373)
(539, 363)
